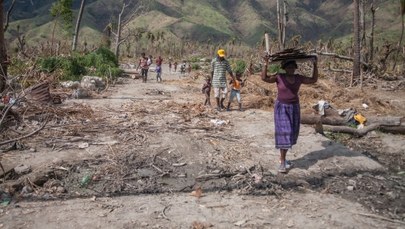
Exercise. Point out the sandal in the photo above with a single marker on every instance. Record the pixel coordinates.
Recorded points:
(288, 164)
(282, 168)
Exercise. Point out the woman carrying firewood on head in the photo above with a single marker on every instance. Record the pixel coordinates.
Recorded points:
(287, 106)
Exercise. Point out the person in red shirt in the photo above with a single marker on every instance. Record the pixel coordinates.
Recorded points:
(143, 64)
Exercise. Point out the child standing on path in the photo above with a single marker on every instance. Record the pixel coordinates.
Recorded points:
(237, 84)
(206, 90)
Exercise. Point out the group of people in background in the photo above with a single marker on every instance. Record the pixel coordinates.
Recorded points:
(144, 64)
(184, 67)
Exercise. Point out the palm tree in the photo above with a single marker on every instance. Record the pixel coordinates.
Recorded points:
(356, 41)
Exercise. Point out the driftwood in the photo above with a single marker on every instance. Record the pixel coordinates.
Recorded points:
(338, 124)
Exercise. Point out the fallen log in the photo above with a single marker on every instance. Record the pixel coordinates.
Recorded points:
(350, 130)
(393, 129)
(329, 120)
(133, 73)
(336, 124)
(340, 121)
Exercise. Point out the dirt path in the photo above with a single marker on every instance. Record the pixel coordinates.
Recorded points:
(148, 146)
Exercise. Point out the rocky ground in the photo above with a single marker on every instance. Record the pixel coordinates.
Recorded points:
(152, 156)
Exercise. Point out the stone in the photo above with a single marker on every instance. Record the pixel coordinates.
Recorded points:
(22, 169)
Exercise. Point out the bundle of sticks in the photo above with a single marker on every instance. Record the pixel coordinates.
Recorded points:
(291, 54)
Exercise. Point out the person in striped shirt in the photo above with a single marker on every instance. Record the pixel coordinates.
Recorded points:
(219, 67)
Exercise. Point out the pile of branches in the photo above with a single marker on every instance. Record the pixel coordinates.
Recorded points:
(291, 54)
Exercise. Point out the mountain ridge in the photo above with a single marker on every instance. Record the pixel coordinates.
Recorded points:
(206, 20)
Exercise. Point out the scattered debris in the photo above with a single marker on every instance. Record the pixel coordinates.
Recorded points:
(197, 192)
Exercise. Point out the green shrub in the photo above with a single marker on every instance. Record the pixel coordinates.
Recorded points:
(102, 63)
(195, 66)
(195, 59)
(72, 70)
(107, 56)
(17, 67)
(106, 70)
(238, 66)
(49, 64)
(274, 68)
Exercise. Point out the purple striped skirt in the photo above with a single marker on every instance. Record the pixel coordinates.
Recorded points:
(287, 124)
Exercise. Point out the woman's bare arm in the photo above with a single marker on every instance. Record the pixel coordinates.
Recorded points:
(265, 77)
(314, 77)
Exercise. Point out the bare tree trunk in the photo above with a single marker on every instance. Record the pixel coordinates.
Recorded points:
(8, 15)
(363, 23)
(53, 35)
(119, 29)
(284, 22)
(402, 23)
(402, 7)
(279, 26)
(79, 19)
(356, 42)
(3, 52)
(372, 33)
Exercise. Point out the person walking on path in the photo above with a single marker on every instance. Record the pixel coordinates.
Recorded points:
(159, 61)
(175, 66)
(188, 68)
(287, 105)
(219, 67)
(237, 84)
(143, 64)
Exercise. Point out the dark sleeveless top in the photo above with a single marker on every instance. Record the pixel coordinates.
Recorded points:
(287, 92)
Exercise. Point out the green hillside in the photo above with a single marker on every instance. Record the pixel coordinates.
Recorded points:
(203, 20)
